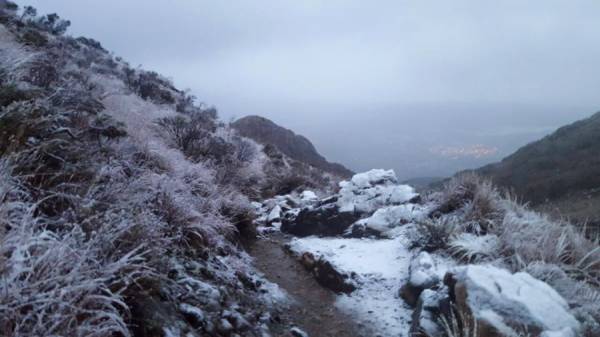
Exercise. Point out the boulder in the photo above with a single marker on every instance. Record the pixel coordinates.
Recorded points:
(423, 274)
(431, 305)
(505, 304)
(383, 222)
(326, 274)
(274, 215)
(322, 221)
(368, 191)
(308, 198)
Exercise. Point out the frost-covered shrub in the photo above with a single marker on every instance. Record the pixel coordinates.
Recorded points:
(51, 23)
(57, 280)
(191, 134)
(473, 248)
(90, 43)
(42, 71)
(33, 37)
(150, 86)
(436, 233)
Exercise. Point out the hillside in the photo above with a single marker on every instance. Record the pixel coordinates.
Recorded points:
(123, 200)
(266, 132)
(560, 170)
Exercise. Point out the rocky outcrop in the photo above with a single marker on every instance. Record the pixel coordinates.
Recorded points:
(492, 302)
(264, 131)
(359, 197)
(503, 303)
(322, 221)
(367, 192)
(326, 274)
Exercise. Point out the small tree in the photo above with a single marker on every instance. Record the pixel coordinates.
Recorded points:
(29, 13)
(54, 24)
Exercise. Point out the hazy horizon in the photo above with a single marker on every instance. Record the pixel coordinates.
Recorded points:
(426, 88)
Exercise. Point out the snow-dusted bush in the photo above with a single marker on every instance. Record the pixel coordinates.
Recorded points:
(436, 233)
(475, 222)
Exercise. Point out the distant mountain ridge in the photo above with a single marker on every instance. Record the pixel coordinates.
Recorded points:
(266, 132)
(560, 172)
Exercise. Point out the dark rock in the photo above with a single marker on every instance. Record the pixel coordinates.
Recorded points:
(361, 231)
(322, 221)
(416, 200)
(330, 278)
(326, 274)
(327, 201)
(410, 294)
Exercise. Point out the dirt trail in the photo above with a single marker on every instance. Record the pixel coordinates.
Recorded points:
(314, 310)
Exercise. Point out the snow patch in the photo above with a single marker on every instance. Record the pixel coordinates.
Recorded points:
(380, 267)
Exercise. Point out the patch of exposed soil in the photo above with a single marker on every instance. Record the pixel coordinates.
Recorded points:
(314, 308)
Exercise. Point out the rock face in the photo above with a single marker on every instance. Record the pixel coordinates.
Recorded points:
(505, 303)
(264, 131)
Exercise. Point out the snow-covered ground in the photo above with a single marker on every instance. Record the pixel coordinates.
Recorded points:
(383, 255)
(380, 267)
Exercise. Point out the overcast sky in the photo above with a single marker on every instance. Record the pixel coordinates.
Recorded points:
(425, 87)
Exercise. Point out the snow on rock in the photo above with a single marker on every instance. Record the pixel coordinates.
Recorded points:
(297, 332)
(374, 177)
(193, 314)
(274, 215)
(368, 191)
(386, 219)
(502, 300)
(426, 313)
(379, 267)
(308, 197)
(425, 272)
(326, 220)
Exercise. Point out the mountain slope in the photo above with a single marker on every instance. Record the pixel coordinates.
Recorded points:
(123, 202)
(560, 170)
(298, 147)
